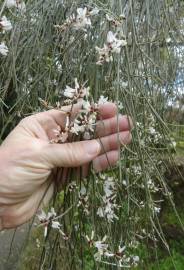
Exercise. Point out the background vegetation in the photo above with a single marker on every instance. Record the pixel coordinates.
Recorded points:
(146, 82)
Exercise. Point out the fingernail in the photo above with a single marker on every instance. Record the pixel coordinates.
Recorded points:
(93, 147)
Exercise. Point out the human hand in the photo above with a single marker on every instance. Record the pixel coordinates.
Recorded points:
(28, 161)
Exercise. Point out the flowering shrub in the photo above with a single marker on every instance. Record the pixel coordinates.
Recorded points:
(90, 53)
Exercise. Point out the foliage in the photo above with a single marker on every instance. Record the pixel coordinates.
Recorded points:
(47, 51)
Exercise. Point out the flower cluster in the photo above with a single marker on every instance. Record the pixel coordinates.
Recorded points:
(113, 45)
(151, 135)
(5, 25)
(18, 4)
(83, 200)
(82, 20)
(117, 22)
(79, 21)
(109, 200)
(124, 260)
(49, 219)
(76, 93)
(85, 121)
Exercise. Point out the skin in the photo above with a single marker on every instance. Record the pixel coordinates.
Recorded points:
(30, 166)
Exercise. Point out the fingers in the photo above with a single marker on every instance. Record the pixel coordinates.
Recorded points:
(113, 141)
(59, 116)
(109, 151)
(105, 161)
(54, 121)
(113, 125)
(102, 162)
(107, 110)
(70, 154)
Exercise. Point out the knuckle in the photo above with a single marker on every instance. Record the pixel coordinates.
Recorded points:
(74, 153)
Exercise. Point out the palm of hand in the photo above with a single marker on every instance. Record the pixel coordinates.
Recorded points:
(29, 160)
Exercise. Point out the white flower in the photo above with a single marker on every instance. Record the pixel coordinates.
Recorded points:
(136, 259)
(114, 43)
(100, 212)
(69, 92)
(120, 105)
(152, 130)
(37, 243)
(5, 24)
(90, 239)
(113, 46)
(43, 217)
(94, 11)
(109, 203)
(3, 49)
(51, 214)
(109, 254)
(173, 143)
(45, 230)
(124, 84)
(86, 105)
(124, 182)
(76, 129)
(55, 224)
(121, 249)
(77, 92)
(20, 5)
(102, 248)
(111, 37)
(104, 55)
(109, 18)
(109, 211)
(11, 3)
(82, 21)
(84, 92)
(102, 100)
(101, 245)
(83, 191)
(109, 187)
(157, 209)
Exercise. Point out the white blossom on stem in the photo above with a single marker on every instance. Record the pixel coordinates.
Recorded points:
(3, 49)
(82, 20)
(94, 11)
(102, 100)
(5, 24)
(107, 210)
(113, 45)
(20, 5)
(104, 55)
(47, 219)
(83, 200)
(77, 92)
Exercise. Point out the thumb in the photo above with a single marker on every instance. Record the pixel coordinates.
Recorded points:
(71, 154)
